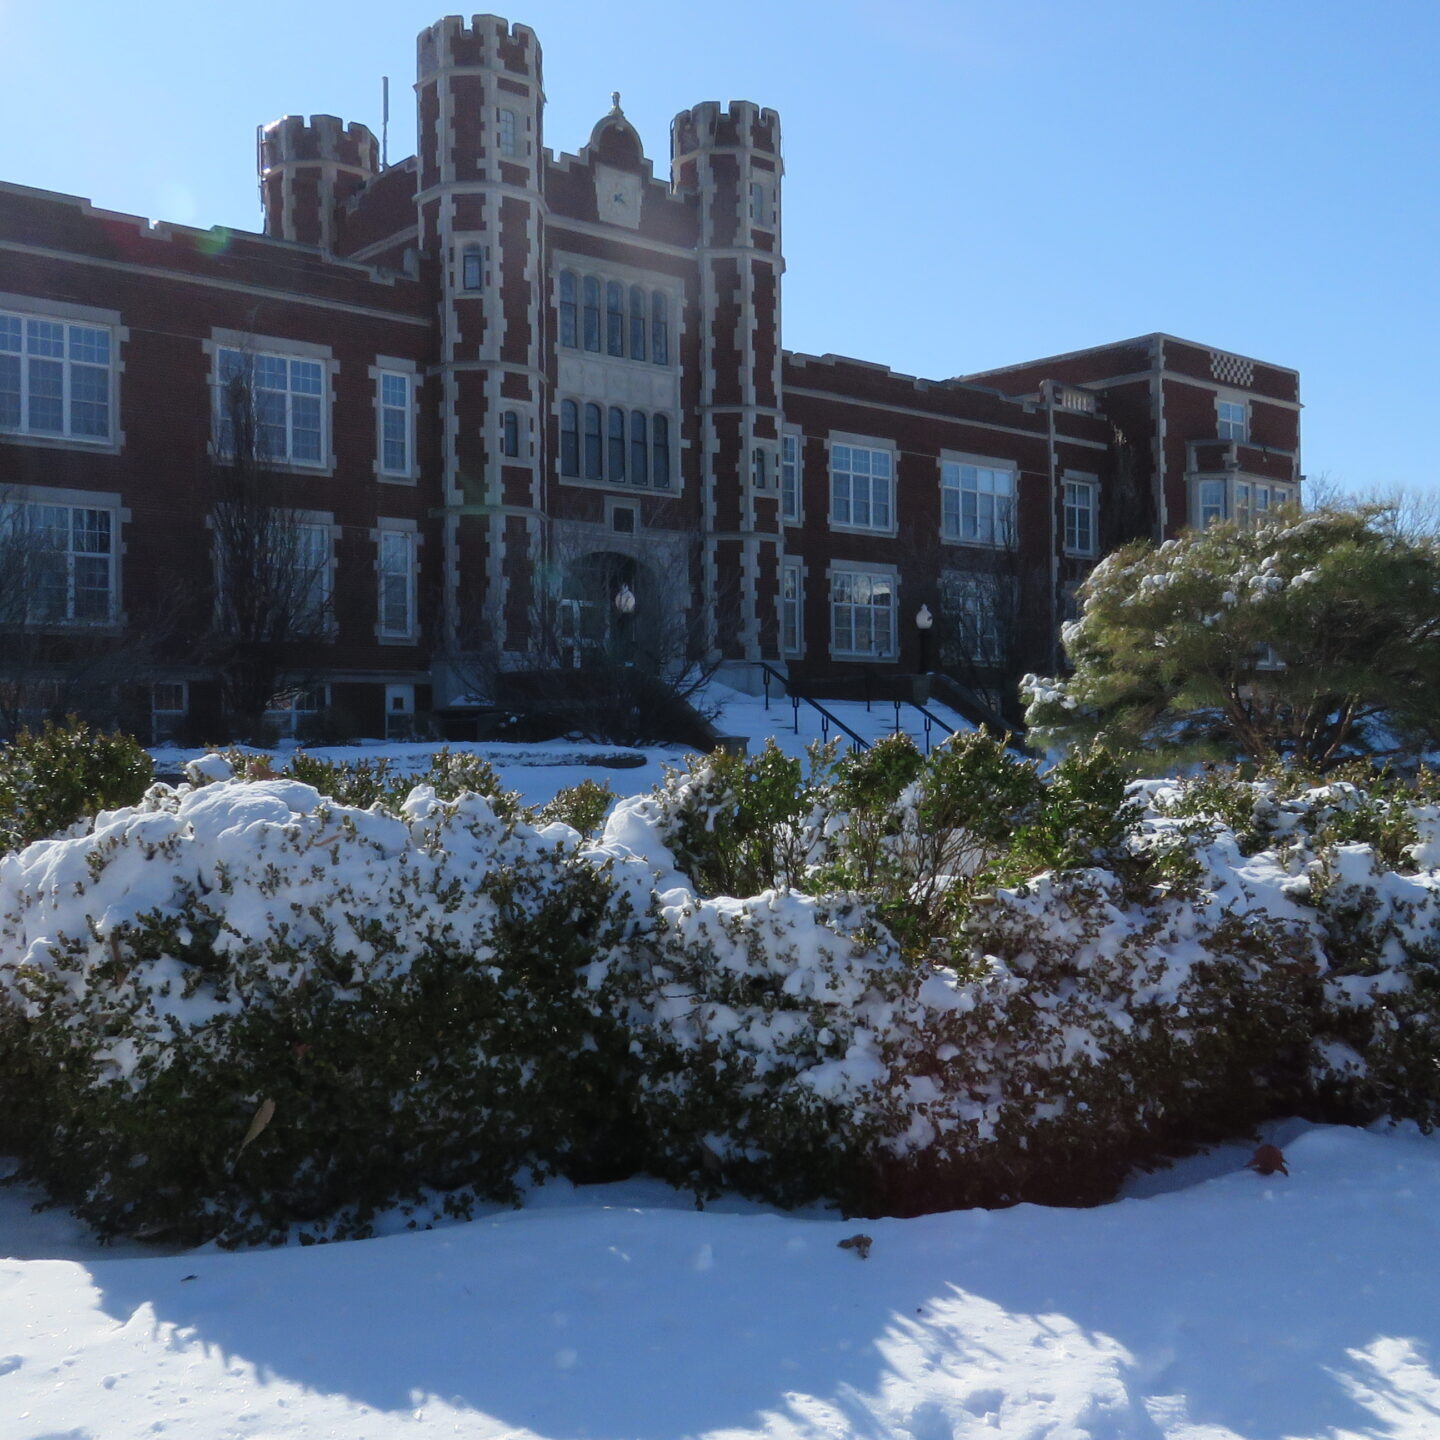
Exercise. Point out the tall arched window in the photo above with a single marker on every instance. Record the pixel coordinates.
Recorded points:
(659, 329)
(639, 449)
(616, 468)
(614, 318)
(592, 313)
(637, 323)
(472, 268)
(660, 452)
(510, 433)
(593, 450)
(569, 438)
(757, 467)
(569, 317)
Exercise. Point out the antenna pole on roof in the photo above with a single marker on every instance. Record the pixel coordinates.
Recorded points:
(384, 122)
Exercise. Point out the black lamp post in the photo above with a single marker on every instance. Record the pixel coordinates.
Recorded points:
(924, 621)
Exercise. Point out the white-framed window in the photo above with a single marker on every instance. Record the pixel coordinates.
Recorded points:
(508, 141)
(1232, 418)
(1080, 517)
(792, 606)
(977, 502)
(1246, 501)
(55, 378)
(63, 557)
(790, 477)
(980, 609)
(1211, 503)
(622, 319)
(862, 487)
(862, 613)
(630, 448)
(314, 563)
(397, 423)
(169, 705)
(272, 401)
(472, 268)
(397, 584)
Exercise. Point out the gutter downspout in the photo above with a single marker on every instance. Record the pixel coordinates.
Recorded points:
(1157, 389)
(1054, 500)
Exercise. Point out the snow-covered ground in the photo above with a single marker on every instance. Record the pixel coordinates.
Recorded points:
(1209, 1304)
(540, 771)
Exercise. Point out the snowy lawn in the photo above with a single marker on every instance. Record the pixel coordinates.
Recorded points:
(1209, 1304)
(540, 771)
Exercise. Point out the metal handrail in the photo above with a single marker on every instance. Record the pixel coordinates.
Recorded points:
(857, 742)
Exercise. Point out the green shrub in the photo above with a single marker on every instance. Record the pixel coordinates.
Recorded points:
(66, 772)
(582, 806)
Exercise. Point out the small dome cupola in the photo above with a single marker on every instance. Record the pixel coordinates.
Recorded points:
(615, 141)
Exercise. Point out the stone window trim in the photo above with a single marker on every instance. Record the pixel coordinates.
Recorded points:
(662, 447)
(394, 525)
(993, 463)
(252, 344)
(1232, 416)
(391, 365)
(571, 311)
(95, 317)
(792, 606)
(792, 475)
(1081, 537)
(872, 443)
(120, 516)
(1233, 495)
(870, 570)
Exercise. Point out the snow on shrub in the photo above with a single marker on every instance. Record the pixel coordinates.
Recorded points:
(240, 1008)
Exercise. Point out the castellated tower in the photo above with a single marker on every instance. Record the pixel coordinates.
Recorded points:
(730, 160)
(480, 213)
(307, 172)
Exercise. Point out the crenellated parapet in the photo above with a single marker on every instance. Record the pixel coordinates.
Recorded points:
(308, 170)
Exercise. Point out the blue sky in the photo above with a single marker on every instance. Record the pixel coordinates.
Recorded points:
(968, 184)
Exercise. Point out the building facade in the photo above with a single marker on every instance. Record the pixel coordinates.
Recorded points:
(494, 388)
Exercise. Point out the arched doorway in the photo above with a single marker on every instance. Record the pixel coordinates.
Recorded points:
(593, 629)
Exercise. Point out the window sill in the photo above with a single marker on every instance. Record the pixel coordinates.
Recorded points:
(619, 487)
(871, 658)
(396, 478)
(842, 529)
(60, 442)
(979, 544)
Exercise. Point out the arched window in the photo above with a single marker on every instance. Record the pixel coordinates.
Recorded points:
(510, 433)
(569, 318)
(660, 452)
(757, 467)
(659, 329)
(639, 449)
(569, 438)
(637, 323)
(614, 318)
(472, 268)
(592, 313)
(508, 144)
(617, 445)
(593, 450)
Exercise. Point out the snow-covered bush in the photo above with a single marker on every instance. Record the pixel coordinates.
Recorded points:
(240, 1008)
(50, 780)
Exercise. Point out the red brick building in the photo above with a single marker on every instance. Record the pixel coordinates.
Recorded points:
(503, 386)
